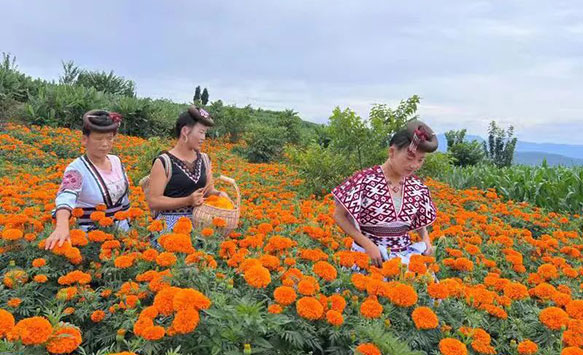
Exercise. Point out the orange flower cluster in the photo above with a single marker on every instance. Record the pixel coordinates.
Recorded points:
(219, 202)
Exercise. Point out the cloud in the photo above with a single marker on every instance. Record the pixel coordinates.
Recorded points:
(518, 62)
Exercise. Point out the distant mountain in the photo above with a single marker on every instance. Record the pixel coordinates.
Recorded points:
(553, 151)
(536, 158)
(567, 150)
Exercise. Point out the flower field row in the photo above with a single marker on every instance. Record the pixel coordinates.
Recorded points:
(510, 276)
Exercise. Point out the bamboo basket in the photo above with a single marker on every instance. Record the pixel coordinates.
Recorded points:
(203, 215)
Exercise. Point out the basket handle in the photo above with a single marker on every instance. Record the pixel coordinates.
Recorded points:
(232, 182)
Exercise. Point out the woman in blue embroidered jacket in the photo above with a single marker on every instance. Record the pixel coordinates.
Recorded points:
(96, 178)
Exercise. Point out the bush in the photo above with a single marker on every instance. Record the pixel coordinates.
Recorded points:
(101, 81)
(264, 143)
(148, 152)
(436, 165)
(349, 143)
(464, 153)
(320, 168)
(63, 105)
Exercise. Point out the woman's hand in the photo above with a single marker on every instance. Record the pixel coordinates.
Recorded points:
(429, 249)
(58, 237)
(197, 197)
(372, 250)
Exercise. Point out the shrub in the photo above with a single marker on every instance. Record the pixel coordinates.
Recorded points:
(264, 143)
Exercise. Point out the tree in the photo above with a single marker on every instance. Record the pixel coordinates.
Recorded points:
(70, 73)
(463, 153)
(108, 83)
(196, 95)
(290, 121)
(500, 145)
(204, 97)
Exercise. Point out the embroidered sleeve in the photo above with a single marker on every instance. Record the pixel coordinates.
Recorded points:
(69, 191)
(349, 194)
(426, 212)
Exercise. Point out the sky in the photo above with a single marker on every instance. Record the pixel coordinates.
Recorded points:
(519, 63)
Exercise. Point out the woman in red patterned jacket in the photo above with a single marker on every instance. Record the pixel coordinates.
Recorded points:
(379, 206)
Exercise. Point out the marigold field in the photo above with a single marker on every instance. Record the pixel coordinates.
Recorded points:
(510, 276)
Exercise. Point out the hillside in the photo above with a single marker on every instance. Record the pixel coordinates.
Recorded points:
(283, 280)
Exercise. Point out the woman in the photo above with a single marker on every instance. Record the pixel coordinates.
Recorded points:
(379, 206)
(96, 178)
(182, 177)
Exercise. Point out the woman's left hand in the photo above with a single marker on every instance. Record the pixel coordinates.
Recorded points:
(430, 250)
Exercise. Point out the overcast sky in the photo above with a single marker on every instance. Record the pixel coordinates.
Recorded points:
(516, 62)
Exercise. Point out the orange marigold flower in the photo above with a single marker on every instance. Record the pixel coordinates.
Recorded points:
(308, 286)
(121, 215)
(257, 276)
(75, 276)
(39, 262)
(515, 291)
(371, 308)
(164, 300)
(450, 346)
(185, 321)
(338, 303)
(309, 308)
(359, 281)
(78, 237)
(571, 350)
(219, 222)
(176, 243)
(368, 349)
(150, 254)
(14, 302)
(553, 318)
(274, 308)
(97, 316)
(548, 271)
(97, 216)
(463, 264)
(437, 290)
(6, 322)
(153, 333)
(12, 234)
(334, 318)
(527, 347)
(544, 291)
(189, 298)
(325, 270)
(284, 295)
(101, 207)
(77, 212)
(575, 309)
(64, 340)
(403, 295)
(561, 299)
(32, 331)
(269, 261)
(124, 261)
(424, 318)
(166, 259)
(41, 279)
(207, 232)
(105, 222)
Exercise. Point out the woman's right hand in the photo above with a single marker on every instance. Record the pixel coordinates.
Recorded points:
(58, 237)
(197, 197)
(372, 250)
